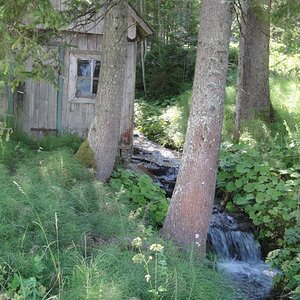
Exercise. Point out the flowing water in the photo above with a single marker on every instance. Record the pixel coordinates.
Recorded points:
(237, 252)
(239, 255)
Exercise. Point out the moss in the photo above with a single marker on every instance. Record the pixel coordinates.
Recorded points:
(85, 155)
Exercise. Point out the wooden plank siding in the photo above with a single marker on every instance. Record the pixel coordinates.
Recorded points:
(37, 110)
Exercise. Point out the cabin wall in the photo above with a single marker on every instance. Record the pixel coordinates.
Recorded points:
(77, 116)
(45, 108)
(35, 107)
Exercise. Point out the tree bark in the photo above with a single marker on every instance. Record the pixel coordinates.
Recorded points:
(104, 132)
(191, 205)
(253, 94)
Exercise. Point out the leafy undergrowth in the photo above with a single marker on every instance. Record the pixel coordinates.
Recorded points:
(263, 181)
(64, 235)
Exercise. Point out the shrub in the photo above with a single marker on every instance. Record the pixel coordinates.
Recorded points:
(142, 193)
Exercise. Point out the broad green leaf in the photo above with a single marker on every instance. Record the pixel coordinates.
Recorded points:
(239, 183)
(240, 200)
(242, 168)
(230, 206)
(249, 187)
(262, 179)
(261, 197)
(262, 169)
(274, 193)
(250, 196)
(260, 187)
(230, 187)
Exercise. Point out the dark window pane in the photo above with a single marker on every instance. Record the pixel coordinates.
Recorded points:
(95, 87)
(97, 68)
(84, 68)
(83, 88)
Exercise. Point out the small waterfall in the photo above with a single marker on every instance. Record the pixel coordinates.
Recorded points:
(239, 255)
(236, 245)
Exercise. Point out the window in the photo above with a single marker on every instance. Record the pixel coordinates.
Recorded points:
(87, 78)
(84, 77)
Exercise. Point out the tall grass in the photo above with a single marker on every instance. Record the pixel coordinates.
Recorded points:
(65, 235)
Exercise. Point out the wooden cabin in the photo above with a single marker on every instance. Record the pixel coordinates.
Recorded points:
(41, 108)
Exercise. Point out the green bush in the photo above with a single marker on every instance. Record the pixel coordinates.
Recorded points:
(142, 193)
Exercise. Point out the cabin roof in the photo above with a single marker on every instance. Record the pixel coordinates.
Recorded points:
(137, 26)
(144, 28)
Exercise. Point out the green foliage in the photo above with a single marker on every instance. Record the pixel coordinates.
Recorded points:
(264, 183)
(44, 208)
(287, 259)
(168, 68)
(157, 282)
(25, 288)
(21, 41)
(148, 120)
(285, 18)
(171, 20)
(164, 121)
(142, 193)
(19, 145)
(233, 56)
(48, 142)
(112, 274)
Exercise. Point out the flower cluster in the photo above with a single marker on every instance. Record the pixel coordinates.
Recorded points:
(137, 242)
(156, 247)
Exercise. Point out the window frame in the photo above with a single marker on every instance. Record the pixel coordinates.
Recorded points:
(73, 69)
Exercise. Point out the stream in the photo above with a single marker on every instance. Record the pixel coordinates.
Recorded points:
(237, 252)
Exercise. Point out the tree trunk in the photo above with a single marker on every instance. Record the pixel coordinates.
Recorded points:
(104, 132)
(253, 94)
(191, 205)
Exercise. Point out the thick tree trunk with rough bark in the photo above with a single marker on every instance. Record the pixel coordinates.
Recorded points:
(191, 205)
(253, 94)
(104, 132)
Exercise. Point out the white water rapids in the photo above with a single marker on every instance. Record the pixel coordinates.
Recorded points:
(239, 256)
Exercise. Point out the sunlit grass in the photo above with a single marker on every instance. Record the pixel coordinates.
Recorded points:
(285, 94)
